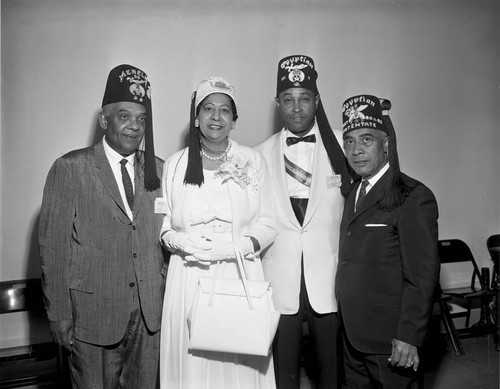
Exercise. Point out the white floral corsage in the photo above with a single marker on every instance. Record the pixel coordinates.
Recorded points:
(239, 168)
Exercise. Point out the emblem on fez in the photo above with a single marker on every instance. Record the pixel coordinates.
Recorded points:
(136, 88)
(354, 113)
(220, 85)
(295, 73)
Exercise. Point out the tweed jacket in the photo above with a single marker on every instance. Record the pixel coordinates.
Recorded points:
(388, 267)
(93, 257)
(316, 241)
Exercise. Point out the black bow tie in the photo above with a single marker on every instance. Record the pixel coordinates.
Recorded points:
(291, 140)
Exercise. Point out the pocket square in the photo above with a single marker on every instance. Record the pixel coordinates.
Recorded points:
(375, 225)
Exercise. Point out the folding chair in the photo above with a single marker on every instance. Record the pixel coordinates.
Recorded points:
(493, 245)
(449, 326)
(39, 361)
(461, 279)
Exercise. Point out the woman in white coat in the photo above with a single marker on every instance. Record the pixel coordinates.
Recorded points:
(217, 194)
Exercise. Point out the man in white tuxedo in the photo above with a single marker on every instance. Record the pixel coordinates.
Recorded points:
(310, 179)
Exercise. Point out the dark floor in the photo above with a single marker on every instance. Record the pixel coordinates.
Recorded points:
(477, 369)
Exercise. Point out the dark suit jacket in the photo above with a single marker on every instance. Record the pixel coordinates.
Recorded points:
(93, 256)
(388, 268)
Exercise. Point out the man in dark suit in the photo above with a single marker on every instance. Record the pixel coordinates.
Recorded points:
(102, 265)
(388, 263)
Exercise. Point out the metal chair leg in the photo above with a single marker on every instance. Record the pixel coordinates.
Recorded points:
(450, 328)
(469, 309)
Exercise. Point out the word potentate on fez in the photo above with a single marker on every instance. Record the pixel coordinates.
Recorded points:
(357, 112)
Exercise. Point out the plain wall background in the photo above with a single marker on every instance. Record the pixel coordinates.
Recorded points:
(438, 61)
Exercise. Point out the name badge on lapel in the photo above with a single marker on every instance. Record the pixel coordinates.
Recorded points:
(160, 205)
(334, 181)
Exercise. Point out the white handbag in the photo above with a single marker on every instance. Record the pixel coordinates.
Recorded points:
(232, 315)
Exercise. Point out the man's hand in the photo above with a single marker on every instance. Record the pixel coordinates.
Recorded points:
(404, 355)
(62, 332)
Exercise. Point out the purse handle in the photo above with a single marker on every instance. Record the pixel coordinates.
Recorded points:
(239, 261)
(241, 271)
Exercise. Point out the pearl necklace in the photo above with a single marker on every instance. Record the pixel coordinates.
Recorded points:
(218, 158)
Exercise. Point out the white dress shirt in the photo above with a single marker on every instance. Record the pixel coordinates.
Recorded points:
(372, 181)
(114, 159)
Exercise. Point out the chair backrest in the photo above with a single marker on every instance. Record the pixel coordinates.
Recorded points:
(28, 353)
(493, 245)
(21, 295)
(455, 252)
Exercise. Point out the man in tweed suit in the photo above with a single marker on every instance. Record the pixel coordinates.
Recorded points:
(102, 265)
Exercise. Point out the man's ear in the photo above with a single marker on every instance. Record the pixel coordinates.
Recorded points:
(277, 101)
(316, 99)
(103, 121)
(386, 145)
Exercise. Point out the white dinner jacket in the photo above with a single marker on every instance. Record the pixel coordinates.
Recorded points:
(317, 239)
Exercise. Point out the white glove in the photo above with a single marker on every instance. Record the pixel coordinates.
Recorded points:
(187, 243)
(224, 249)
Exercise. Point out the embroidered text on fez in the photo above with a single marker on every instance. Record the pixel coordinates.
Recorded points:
(362, 192)
(292, 140)
(127, 184)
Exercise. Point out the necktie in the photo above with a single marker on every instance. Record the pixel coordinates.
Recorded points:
(292, 140)
(127, 184)
(362, 192)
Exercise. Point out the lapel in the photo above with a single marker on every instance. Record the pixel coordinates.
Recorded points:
(139, 189)
(181, 194)
(349, 205)
(235, 192)
(107, 177)
(279, 179)
(238, 207)
(320, 170)
(371, 197)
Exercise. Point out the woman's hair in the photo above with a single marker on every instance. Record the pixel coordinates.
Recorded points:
(194, 169)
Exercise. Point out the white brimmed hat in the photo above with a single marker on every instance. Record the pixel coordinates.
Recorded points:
(214, 85)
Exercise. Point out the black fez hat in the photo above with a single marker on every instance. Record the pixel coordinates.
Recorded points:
(296, 71)
(363, 111)
(128, 83)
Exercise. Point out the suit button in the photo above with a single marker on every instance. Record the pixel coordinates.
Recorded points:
(134, 228)
(131, 284)
(349, 233)
(134, 255)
